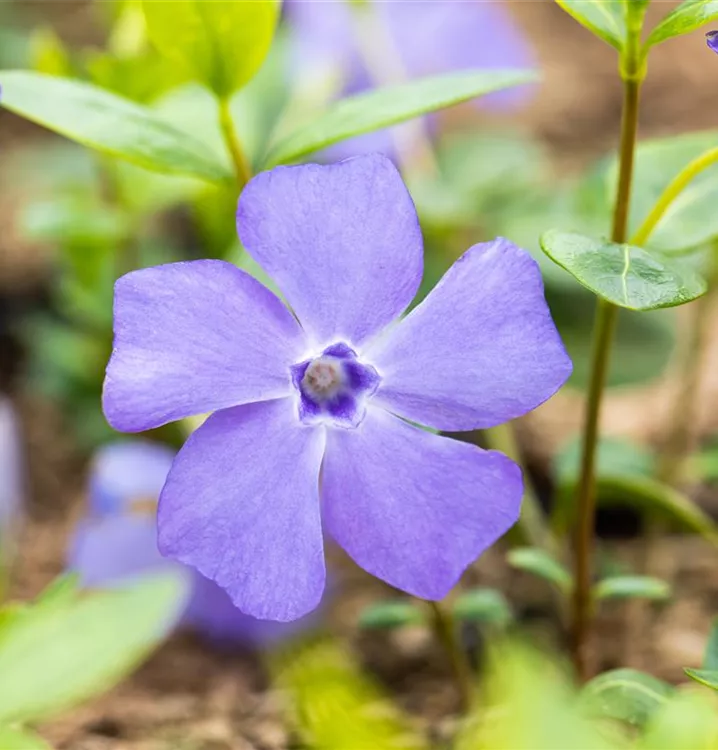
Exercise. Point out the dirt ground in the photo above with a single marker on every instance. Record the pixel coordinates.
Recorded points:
(191, 697)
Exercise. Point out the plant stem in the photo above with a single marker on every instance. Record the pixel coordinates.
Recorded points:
(604, 327)
(242, 168)
(445, 631)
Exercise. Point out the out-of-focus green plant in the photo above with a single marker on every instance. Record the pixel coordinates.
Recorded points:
(66, 647)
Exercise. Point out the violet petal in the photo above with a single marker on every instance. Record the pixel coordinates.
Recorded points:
(342, 242)
(480, 350)
(241, 505)
(195, 337)
(413, 508)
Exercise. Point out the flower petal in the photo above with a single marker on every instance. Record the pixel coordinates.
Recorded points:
(212, 613)
(241, 504)
(413, 508)
(126, 473)
(480, 350)
(195, 337)
(110, 550)
(342, 242)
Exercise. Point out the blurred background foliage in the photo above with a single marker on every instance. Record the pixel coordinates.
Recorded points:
(96, 217)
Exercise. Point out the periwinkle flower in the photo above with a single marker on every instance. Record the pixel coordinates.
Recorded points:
(11, 478)
(712, 40)
(313, 407)
(418, 38)
(118, 541)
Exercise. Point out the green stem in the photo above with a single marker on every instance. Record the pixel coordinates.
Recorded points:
(676, 186)
(532, 527)
(242, 168)
(604, 327)
(445, 631)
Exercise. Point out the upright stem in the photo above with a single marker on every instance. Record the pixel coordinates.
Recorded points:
(242, 168)
(604, 327)
(445, 632)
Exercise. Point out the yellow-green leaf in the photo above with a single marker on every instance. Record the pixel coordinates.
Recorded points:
(221, 42)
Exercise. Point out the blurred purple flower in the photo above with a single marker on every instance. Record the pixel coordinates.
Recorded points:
(427, 37)
(712, 40)
(332, 389)
(119, 541)
(11, 478)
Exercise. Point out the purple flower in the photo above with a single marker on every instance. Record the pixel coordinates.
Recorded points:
(712, 40)
(11, 478)
(119, 541)
(421, 38)
(332, 389)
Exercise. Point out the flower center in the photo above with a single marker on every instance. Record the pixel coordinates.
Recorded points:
(334, 386)
(323, 378)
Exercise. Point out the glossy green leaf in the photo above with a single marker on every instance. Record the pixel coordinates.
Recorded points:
(648, 494)
(632, 587)
(707, 677)
(14, 738)
(688, 16)
(108, 123)
(541, 564)
(391, 614)
(624, 275)
(390, 105)
(222, 42)
(52, 658)
(484, 606)
(605, 18)
(710, 656)
(626, 695)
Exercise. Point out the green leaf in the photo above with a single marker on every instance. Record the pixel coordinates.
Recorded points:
(687, 721)
(390, 105)
(605, 18)
(484, 606)
(48, 53)
(222, 43)
(390, 614)
(707, 677)
(690, 220)
(646, 493)
(710, 656)
(60, 592)
(613, 456)
(13, 738)
(52, 658)
(336, 704)
(108, 123)
(541, 564)
(624, 275)
(626, 695)
(688, 16)
(632, 587)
